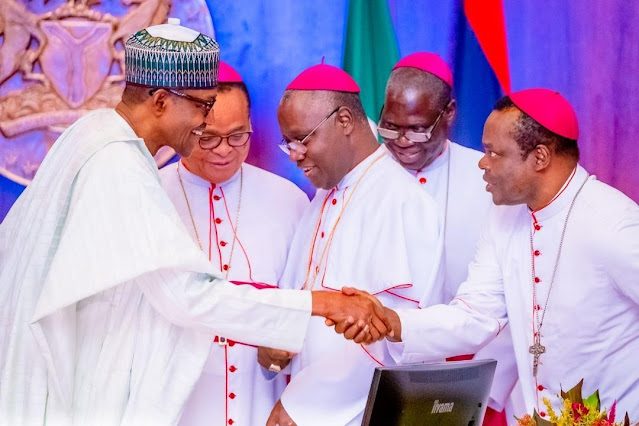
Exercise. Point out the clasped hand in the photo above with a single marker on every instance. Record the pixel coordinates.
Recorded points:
(359, 316)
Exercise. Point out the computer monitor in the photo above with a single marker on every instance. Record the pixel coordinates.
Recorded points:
(445, 394)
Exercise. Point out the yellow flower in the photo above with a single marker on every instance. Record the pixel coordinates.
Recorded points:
(551, 412)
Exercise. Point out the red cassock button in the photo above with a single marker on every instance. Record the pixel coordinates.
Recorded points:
(542, 414)
(232, 395)
(538, 307)
(231, 421)
(537, 280)
(232, 369)
(537, 252)
(422, 180)
(225, 267)
(334, 201)
(540, 387)
(218, 220)
(322, 234)
(537, 227)
(216, 197)
(223, 243)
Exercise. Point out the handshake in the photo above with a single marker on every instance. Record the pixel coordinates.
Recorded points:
(356, 314)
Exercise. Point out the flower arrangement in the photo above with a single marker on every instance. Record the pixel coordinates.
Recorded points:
(575, 411)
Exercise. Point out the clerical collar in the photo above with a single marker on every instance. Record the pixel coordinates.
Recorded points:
(194, 179)
(352, 176)
(564, 196)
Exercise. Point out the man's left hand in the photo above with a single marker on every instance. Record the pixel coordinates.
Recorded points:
(279, 416)
(268, 358)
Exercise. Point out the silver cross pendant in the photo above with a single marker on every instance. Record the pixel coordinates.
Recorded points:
(536, 350)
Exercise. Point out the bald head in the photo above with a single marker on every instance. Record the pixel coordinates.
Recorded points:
(413, 81)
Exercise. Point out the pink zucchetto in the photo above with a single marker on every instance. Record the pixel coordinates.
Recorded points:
(227, 74)
(324, 77)
(430, 62)
(549, 109)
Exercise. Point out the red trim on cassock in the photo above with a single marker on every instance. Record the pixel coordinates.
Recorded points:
(386, 290)
(226, 382)
(461, 358)
(259, 286)
(371, 356)
(237, 238)
(212, 221)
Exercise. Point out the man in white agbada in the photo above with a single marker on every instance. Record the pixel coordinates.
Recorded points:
(559, 261)
(243, 218)
(108, 306)
(418, 113)
(369, 226)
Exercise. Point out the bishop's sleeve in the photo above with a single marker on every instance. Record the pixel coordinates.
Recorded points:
(622, 253)
(474, 317)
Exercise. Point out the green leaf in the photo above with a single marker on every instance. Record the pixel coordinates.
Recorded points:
(540, 421)
(592, 402)
(574, 394)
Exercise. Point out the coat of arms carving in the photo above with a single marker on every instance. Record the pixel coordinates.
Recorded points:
(60, 59)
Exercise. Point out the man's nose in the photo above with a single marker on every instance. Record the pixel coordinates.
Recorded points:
(223, 149)
(403, 141)
(297, 151)
(482, 164)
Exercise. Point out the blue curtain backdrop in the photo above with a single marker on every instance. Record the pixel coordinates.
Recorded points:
(586, 49)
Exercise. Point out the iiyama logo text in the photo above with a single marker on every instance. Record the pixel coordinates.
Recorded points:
(444, 407)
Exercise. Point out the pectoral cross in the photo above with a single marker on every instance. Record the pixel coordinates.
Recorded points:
(536, 350)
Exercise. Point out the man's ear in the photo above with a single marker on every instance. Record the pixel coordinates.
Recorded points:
(158, 102)
(450, 113)
(346, 120)
(542, 157)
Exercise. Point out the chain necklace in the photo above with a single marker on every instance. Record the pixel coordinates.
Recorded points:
(329, 240)
(237, 216)
(537, 348)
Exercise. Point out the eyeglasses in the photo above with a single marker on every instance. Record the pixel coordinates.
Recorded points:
(286, 146)
(207, 104)
(413, 137)
(235, 140)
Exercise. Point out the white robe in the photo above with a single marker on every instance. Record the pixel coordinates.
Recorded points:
(106, 320)
(591, 329)
(232, 388)
(455, 181)
(388, 242)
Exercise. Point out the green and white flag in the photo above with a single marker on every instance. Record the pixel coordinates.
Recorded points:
(370, 51)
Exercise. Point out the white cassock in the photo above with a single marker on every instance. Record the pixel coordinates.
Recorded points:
(591, 325)
(232, 389)
(106, 319)
(377, 231)
(455, 181)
